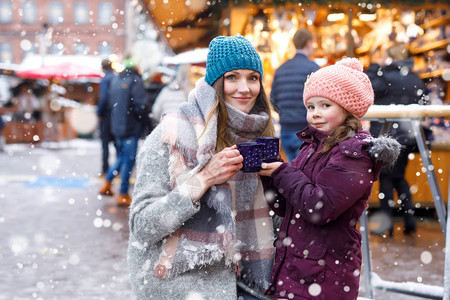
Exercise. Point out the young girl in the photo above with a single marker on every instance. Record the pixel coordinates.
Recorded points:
(199, 228)
(324, 191)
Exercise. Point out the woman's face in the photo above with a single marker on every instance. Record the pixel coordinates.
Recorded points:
(240, 89)
(324, 114)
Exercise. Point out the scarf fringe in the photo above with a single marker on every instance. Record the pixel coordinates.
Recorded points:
(172, 163)
(252, 281)
(206, 259)
(203, 260)
(220, 205)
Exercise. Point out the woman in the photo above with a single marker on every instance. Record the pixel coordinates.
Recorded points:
(197, 224)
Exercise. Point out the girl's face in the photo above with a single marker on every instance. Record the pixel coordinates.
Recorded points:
(240, 89)
(324, 114)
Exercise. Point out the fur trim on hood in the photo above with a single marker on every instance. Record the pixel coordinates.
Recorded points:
(385, 150)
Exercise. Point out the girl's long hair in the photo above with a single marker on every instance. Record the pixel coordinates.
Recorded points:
(350, 126)
(262, 104)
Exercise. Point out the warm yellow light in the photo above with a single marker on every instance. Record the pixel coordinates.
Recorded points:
(274, 60)
(413, 30)
(118, 67)
(367, 17)
(407, 17)
(113, 57)
(275, 23)
(335, 16)
(259, 26)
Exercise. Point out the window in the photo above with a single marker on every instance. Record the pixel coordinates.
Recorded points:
(80, 49)
(57, 48)
(5, 12)
(105, 13)
(27, 47)
(32, 50)
(81, 13)
(6, 52)
(29, 12)
(104, 49)
(56, 13)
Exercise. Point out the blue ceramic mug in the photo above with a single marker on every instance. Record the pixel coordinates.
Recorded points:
(253, 156)
(271, 150)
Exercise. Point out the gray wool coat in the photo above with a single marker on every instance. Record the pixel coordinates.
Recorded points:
(158, 210)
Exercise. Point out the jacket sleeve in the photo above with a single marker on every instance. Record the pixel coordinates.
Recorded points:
(378, 82)
(275, 200)
(273, 93)
(104, 92)
(157, 106)
(337, 187)
(139, 96)
(157, 210)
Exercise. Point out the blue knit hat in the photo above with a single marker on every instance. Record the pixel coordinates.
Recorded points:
(227, 53)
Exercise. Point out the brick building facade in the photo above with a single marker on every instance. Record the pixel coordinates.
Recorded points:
(93, 27)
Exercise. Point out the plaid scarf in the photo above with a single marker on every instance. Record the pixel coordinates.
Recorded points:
(233, 223)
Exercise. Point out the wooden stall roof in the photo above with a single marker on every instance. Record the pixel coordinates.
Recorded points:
(189, 24)
(185, 24)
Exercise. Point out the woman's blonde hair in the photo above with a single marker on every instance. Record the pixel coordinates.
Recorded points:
(350, 126)
(262, 104)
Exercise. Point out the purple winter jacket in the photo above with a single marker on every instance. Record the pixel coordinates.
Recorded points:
(321, 197)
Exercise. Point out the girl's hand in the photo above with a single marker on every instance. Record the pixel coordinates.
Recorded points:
(268, 168)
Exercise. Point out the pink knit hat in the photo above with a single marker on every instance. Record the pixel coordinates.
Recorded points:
(343, 83)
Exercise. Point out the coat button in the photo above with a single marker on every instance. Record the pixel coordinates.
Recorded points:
(346, 151)
(303, 134)
(355, 153)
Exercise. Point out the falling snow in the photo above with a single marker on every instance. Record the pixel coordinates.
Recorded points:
(62, 240)
(70, 241)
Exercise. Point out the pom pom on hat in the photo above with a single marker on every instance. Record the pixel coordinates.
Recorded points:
(351, 63)
(227, 53)
(343, 83)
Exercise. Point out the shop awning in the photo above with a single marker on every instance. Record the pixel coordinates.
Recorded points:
(185, 24)
(190, 24)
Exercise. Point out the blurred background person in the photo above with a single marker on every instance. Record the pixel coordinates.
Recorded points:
(52, 115)
(394, 82)
(129, 109)
(158, 80)
(104, 114)
(287, 92)
(173, 94)
(2, 138)
(28, 107)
